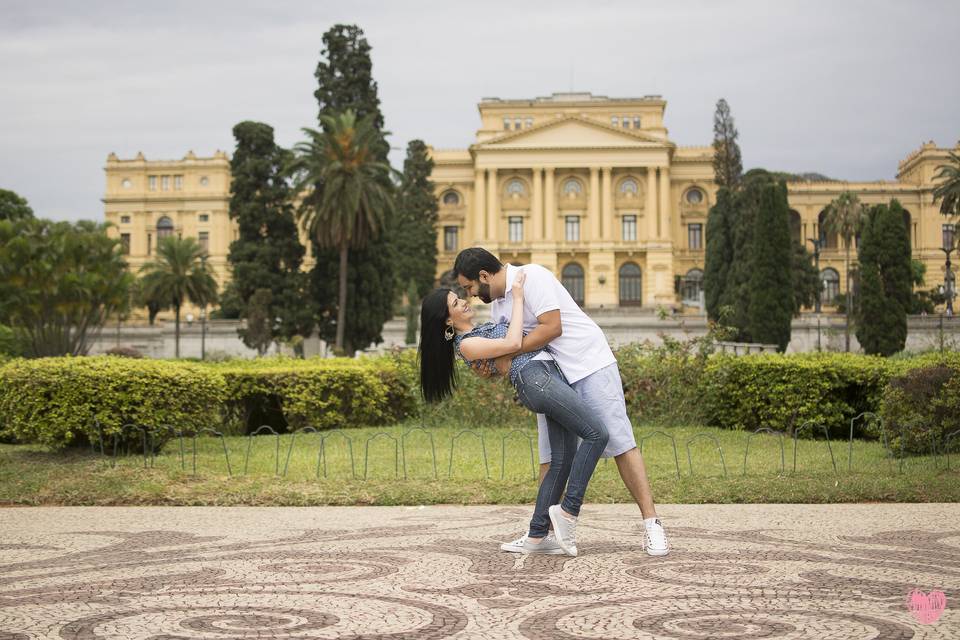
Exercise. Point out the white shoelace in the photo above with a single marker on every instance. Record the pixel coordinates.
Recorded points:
(656, 537)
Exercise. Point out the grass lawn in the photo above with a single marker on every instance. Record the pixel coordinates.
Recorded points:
(399, 470)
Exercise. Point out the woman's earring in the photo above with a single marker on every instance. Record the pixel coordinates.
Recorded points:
(448, 333)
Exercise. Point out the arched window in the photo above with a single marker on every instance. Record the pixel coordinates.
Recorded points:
(516, 187)
(694, 196)
(572, 188)
(629, 186)
(830, 285)
(692, 288)
(795, 227)
(164, 228)
(827, 240)
(572, 279)
(630, 285)
(451, 198)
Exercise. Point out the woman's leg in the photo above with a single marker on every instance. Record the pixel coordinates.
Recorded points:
(542, 389)
(563, 444)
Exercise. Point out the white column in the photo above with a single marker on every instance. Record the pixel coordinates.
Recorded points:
(479, 207)
(650, 209)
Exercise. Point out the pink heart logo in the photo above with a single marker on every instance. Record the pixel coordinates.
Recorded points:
(926, 607)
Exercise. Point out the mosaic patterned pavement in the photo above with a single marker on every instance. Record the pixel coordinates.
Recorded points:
(753, 571)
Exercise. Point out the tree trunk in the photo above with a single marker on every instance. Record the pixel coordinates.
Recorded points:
(847, 314)
(342, 305)
(176, 333)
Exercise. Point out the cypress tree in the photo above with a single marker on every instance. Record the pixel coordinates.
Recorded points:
(415, 229)
(885, 281)
(771, 276)
(345, 81)
(267, 253)
(719, 256)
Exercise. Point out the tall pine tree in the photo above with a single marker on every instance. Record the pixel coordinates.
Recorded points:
(719, 256)
(267, 253)
(345, 81)
(886, 278)
(727, 165)
(415, 228)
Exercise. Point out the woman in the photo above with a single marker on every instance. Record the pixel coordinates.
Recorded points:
(447, 329)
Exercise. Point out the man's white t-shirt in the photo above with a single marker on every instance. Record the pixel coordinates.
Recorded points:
(582, 349)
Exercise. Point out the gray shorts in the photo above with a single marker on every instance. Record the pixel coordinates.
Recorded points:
(602, 392)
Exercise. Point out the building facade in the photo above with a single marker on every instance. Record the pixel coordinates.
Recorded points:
(588, 186)
(593, 188)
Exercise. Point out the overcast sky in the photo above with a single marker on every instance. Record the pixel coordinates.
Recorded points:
(842, 88)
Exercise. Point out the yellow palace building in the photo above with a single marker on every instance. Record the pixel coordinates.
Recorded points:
(588, 186)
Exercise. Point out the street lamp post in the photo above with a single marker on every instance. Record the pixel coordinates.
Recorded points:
(816, 259)
(947, 248)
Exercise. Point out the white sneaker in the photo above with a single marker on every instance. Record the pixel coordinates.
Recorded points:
(655, 539)
(564, 529)
(547, 546)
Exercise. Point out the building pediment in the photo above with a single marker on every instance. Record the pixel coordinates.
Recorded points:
(573, 132)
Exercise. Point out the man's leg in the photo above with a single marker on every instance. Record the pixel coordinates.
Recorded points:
(634, 476)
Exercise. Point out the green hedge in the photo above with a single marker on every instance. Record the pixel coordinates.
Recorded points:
(921, 408)
(55, 401)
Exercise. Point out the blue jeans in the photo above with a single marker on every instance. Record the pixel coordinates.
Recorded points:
(542, 388)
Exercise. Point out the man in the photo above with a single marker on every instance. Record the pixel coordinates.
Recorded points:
(551, 317)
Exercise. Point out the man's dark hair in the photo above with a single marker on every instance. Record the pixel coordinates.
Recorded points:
(470, 262)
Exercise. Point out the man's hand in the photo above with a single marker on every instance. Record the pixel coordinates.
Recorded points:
(500, 366)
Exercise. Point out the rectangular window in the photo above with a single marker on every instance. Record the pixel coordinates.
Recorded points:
(626, 122)
(636, 122)
(124, 219)
(528, 123)
(506, 124)
(204, 238)
(178, 183)
(203, 217)
(695, 236)
(450, 238)
(573, 228)
(614, 121)
(152, 182)
(630, 228)
(517, 124)
(149, 243)
(125, 243)
(165, 183)
(516, 228)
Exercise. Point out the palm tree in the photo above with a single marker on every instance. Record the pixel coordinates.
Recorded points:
(348, 190)
(179, 273)
(948, 191)
(844, 216)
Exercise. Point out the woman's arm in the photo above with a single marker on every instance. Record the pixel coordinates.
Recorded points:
(484, 348)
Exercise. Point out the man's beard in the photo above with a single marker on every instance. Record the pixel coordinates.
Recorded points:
(484, 293)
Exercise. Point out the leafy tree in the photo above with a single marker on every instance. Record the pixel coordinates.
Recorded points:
(260, 321)
(806, 280)
(922, 301)
(772, 299)
(414, 228)
(948, 191)
(886, 281)
(13, 207)
(59, 281)
(345, 76)
(178, 274)
(727, 165)
(844, 216)
(719, 256)
(412, 309)
(267, 253)
(357, 195)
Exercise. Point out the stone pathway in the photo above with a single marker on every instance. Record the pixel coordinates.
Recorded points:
(736, 571)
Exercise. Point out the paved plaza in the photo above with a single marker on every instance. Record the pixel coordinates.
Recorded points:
(736, 571)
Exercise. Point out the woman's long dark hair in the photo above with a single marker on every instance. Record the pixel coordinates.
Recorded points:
(438, 376)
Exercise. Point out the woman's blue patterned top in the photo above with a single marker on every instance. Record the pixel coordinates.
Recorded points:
(495, 331)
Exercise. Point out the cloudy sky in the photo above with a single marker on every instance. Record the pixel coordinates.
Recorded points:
(844, 88)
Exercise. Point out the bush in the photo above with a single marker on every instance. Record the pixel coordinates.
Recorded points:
(291, 393)
(921, 407)
(57, 401)
(784, 391)
(661, 384)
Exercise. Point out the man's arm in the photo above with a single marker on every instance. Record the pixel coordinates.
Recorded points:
(549, 328)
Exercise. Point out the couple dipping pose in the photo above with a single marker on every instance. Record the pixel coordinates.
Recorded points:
(563, 370)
